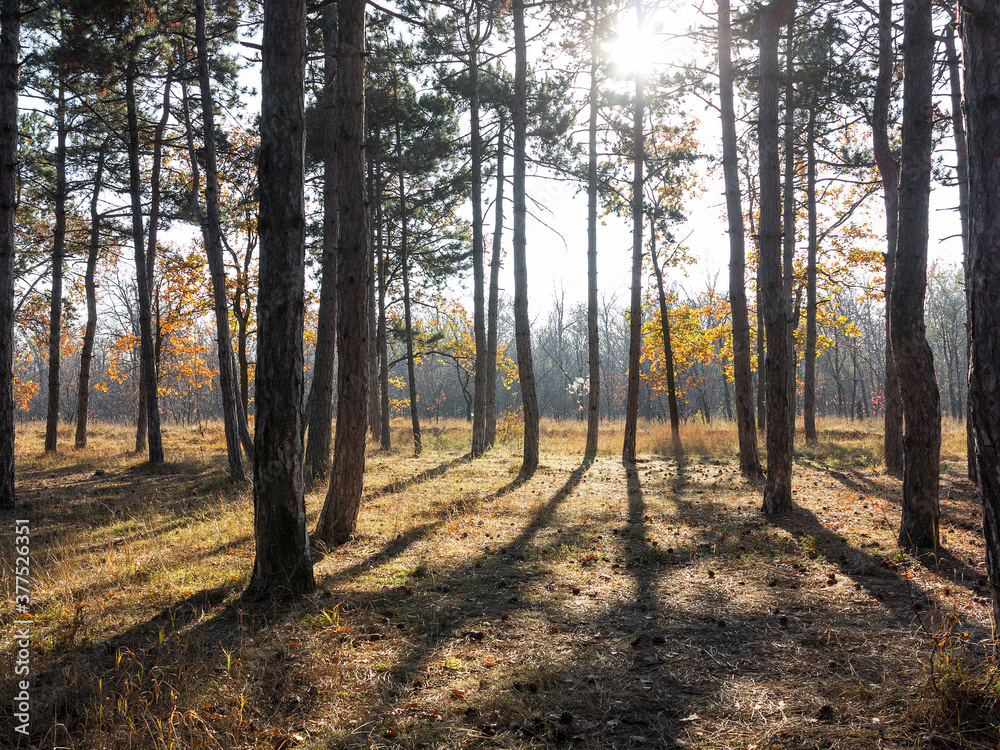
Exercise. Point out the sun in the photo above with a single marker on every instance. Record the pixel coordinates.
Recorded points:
(632, 50)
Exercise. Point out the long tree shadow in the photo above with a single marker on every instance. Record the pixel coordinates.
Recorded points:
(425, 476)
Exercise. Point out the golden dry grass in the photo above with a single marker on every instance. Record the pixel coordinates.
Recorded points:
(591, 606)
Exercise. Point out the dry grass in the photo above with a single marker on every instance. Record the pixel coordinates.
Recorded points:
(591, 606)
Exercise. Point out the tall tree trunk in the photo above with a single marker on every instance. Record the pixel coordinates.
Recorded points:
(889, 172)
(10, 54)
(788, 234)
(90, 287)
(374, 406)
(211, 228)
(320, 400)
(635, 310)
(522, 324)
(749, 456)
(962, 173)
(479, 444)
(809, 397)
(761, 352)
(921, 404)
(385, 433)
(338, 518)
(283, 563)
(668, 351)
(981, 43)
(593, 351)
(777, 308)
(493, 310)
(148, 369)
(58, 253)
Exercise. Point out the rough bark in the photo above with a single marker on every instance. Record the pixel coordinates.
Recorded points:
(522, 323)
(404, 260)
(324, 369)
(56, 295)
(385, 433)
(593, 345)
(788, 215)
(148, 370)
(493, 308)
(809, 396)
(283, 562)
(777, 308)
(635, 309)
(212, 233)
(479, 444)
(889, 172)
(338, 518)
(10, 54)
(981, 48)
(668, 351)
(90, 289)
(749, 456)
(914, 360)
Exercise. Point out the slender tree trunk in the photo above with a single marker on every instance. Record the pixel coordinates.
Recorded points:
(283, 563)
(90, 287)
(493, 311)
(889, 171)
(320, 401)
(522, 324)
(58, 253)
(593, 351)
(635, 310)
(749, 456)
(777, 309)
(981, 43)
(148, 370)
(761, 353)
(962, 174)
(809, 397)
(211, 228)
(479, 443)
(668, 351)
(338, 518)
(385, 433)
(788, 236)
(921, 404)
(10, 55)
(374, 406)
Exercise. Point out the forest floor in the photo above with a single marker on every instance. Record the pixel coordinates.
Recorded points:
(590, 607)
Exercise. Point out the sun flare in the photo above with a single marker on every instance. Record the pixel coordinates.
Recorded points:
(632, 50)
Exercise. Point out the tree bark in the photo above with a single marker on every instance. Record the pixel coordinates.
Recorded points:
(58, 255)
(321, 391)
(749, 456)
(493, 310)
(809, 397)
(668, 351)
(921, 405)
(146, 353)
(593, 350)
(385, 433)
(283, 563)
(479, 443)
(522, 324)
(212, 233)
(635, 310)
(777, 308)
(10, 54)
(889, 172)
(90, 287)
(338, 519)
(981, 43)
(788, 196)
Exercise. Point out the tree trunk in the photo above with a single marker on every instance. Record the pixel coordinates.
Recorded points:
(338, 518)
(10, 54)
(493, 311)
(981, 42)
(479, 297)
(374, 406)
(58, 253)
(749, 457)
(385, 433)
(668, 352)
(809, 397)
(962, 174)
(320, 401)
(921, 406)
(889, 171)
(777, 309)
(404, 259)
(593, 351)
(788, 235)
(212, 233)
(148, 369)
(635, 310)
(283, 563)
(522, 324)
(90, 287)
